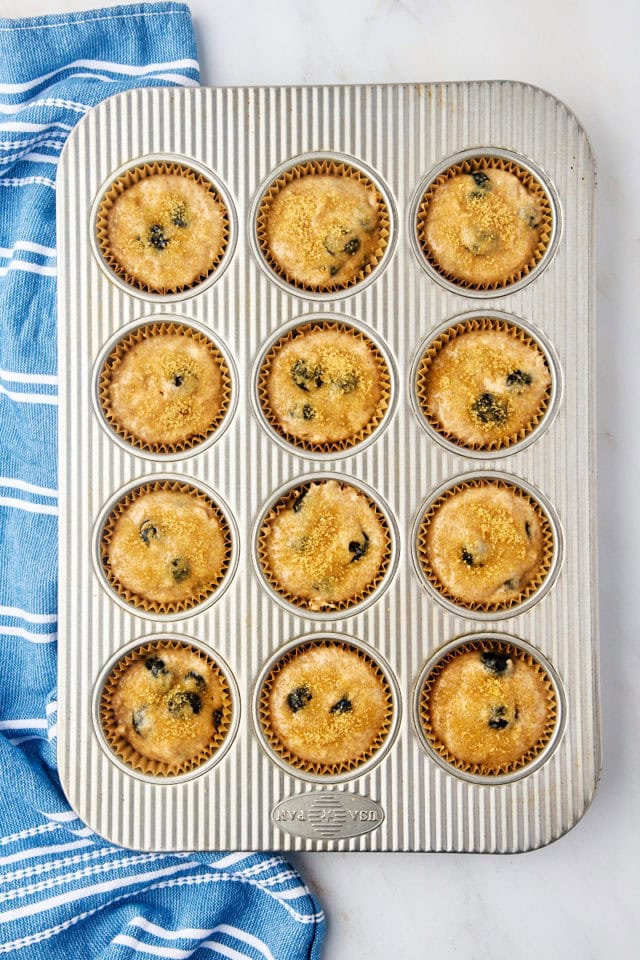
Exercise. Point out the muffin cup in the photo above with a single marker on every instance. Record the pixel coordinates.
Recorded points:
(536, 587)
(327, 166)
(112, 358)
(491, 320)
(269, 416)
(470, 162)
(323, 771)
(284, 499)
(480, 772)
(124, 180)
(155, 608)
(124, 752)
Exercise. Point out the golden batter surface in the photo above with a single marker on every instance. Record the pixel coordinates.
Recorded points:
(327, 705)
(328, 545)
(322, 230)
(484, 386)
(489, 708)
(485, 544)
(324, 385)
(165, 389)
(169, 706)
(166, 231)
(483, 227)
(167, 546)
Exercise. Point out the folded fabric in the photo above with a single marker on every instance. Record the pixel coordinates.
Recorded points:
(65, 892)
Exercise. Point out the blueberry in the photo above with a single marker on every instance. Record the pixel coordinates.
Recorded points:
(296, 506)
(466, 557)
(217, 716)
(490, 409)
(303, 375)
(199, 681)
(519, 378)
(184, 702)
(348, 383)
(343, 705)
(527, 529)
(333, 270)
(359, 548)
(180, 569)
(308, 412)
(497, 720)
(157, 237)
(148, 531)
(510, 584)
(352, 246)
(138, 718)
(178, 378)
(496, 663)
(298, 699)
(530, 217)
(156, 666)
(481, 179)
(179, 215)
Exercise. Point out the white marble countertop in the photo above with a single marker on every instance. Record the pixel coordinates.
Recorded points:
(578, 897)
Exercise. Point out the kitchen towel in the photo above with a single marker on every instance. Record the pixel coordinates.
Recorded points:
(64, 891)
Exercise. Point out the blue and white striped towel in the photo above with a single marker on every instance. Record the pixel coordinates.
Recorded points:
(64, 892)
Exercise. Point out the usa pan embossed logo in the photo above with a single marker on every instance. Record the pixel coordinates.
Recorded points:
(328, 815)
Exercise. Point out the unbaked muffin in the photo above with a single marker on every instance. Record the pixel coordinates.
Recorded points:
(165, 708)
(324, 386)
(485, 544)
(326, 707)
(324, 546)
(484, 384)
(165, 387)
(162, 227)
(322, 225)
(484, 223)
(165, 547)
(488, 708)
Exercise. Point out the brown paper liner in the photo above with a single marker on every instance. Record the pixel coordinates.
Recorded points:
(114, 360)
(533, 186)
(143, 603)
(332, 446)
(304, 603)
(335, 169)
(485, 607)
(321, 768)
(434, 348)
(127, 180)
(485, 769)
(124, 750)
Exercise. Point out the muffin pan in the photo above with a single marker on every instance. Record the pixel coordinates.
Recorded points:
(406, 795)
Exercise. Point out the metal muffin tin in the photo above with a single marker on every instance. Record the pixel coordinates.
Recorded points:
(403, 135)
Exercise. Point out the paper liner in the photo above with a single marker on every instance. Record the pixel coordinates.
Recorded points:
(533, 186)
(113, 362)
(322, 768)
(127, 180)
(303, 603)
(484, 769)
(143, 603)
(332, 446)
(124, 750)
(534, 584)
(336, 169)
(434, 348)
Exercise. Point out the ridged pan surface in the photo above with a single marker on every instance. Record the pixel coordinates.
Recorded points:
(250, 799)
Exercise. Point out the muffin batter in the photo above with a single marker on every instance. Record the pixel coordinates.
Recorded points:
(326, 705)
(326, 385)
(325, 546)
